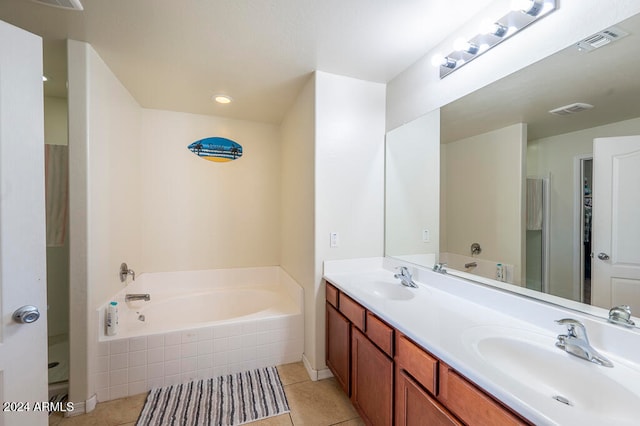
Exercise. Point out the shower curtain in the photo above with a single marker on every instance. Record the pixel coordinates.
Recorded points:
(56, 169)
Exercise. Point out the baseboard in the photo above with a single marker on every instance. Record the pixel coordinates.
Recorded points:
(83, 407)
(314, 374)
(78, 409)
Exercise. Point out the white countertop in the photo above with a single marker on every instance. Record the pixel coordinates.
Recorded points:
(447, 315)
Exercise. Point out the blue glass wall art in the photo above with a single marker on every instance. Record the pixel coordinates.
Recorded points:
(216, 149)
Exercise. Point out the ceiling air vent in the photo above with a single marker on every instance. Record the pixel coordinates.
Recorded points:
(601, 39)
(62, 4)
(571, 109)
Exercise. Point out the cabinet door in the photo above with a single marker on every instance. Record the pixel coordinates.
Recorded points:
(470, 404)
(372, 381)
(415, 407)
(338, 344)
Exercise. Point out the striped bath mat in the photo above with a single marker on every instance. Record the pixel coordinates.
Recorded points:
(226, 400)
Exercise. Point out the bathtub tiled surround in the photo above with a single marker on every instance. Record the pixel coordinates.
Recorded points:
(131, 365)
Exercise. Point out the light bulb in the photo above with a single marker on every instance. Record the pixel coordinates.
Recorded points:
(438, 60)
(494, 28)
(530, 7)
(464, 46)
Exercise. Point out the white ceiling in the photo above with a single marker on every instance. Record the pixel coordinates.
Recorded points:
(174, 55)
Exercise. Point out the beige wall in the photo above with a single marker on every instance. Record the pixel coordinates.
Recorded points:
(332, 180)
(297, 200)
(104, 130)
(484, 196)
(198, 214)
(55, 121)
(413, 179)
(349, 180)
(555, 157)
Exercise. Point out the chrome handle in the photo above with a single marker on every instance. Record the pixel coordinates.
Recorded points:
(574, 327)
(124, 271)
(26, 314)
(603, 256)
(621, 315)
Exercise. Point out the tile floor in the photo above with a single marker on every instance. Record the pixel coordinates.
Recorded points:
(321, 403)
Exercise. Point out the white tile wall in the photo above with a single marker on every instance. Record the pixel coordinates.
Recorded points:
(135, 365)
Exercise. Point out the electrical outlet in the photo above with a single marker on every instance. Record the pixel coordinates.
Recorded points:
(425, 236)
(334, 239)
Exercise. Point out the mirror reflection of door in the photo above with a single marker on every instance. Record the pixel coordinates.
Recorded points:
(616, 228)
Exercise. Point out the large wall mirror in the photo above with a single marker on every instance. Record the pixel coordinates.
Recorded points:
(516, 199)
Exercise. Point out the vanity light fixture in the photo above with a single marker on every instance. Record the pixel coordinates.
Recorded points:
(523, 14)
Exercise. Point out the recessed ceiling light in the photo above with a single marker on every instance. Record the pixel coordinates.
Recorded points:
(44, 78)
(222, 99)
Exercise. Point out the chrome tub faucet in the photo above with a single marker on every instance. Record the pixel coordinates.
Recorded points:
(405, 276)
(576, 343)
(130, 297)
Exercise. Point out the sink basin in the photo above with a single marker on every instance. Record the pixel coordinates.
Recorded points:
(389, 290)
(529, 361)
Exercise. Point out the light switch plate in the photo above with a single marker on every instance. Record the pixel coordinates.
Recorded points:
(334, 239)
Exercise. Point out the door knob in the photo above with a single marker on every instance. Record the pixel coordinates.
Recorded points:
(26, 314)
(603, 256)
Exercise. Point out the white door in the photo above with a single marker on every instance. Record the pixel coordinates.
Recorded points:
(616, 222)
(23, 347)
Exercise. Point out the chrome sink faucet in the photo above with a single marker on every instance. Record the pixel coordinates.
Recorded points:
(439, 267)
(576, 342)
(406, 279)
(129, 297)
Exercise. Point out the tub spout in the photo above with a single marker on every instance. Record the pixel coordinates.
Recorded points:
(129, 297)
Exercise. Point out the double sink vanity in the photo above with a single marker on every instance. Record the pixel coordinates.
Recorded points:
(447, 352)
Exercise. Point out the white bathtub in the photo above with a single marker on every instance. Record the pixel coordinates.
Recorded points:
(199, 324)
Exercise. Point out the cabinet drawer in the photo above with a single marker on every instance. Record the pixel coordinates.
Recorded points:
(419, 364)
(470, 404)
(332, 295)
(380, 333)
(352, 310)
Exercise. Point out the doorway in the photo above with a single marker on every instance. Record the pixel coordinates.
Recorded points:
(585, 237)
(57, 218)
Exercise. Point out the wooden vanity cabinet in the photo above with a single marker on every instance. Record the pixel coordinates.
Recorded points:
(393, 381)
(363, 370)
